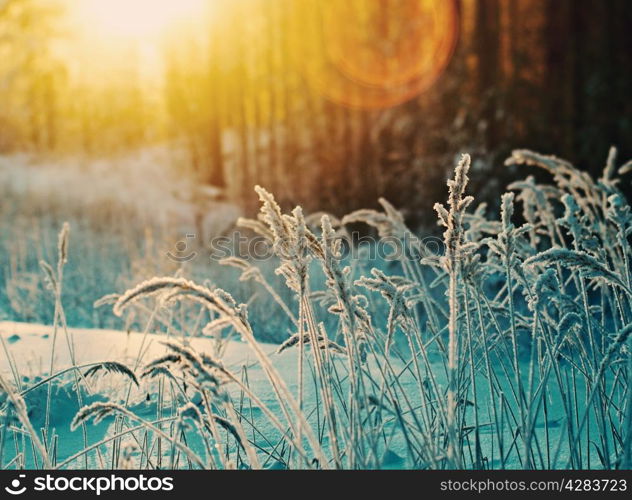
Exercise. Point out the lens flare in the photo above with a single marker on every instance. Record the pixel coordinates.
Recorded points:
(373, 53)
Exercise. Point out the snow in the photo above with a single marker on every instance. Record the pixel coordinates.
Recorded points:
(88, 187)
(29, 347)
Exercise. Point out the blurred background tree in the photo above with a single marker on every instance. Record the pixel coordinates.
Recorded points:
(328, 104)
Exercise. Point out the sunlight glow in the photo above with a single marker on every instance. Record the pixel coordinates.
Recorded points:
(137, 18)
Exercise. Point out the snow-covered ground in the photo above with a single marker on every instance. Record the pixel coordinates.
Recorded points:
(28, 348)
(143, 184)
(128, 216)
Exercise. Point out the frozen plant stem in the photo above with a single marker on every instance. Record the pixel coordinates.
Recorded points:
(452, 219)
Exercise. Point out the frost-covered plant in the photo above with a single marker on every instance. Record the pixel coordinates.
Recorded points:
(456, 249)
(509, 349)
(519, 331)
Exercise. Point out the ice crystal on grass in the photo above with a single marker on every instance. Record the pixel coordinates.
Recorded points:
(507, 348)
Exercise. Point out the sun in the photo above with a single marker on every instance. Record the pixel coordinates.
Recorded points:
(136, 18)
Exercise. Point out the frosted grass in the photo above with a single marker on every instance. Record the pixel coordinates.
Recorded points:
(511, 349)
